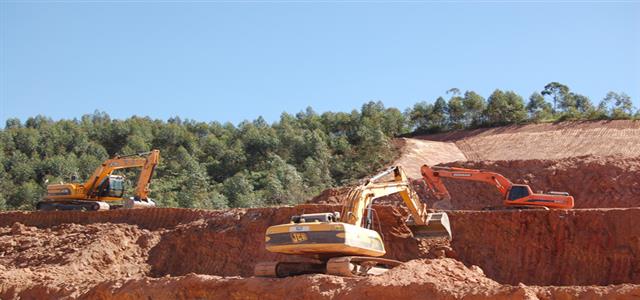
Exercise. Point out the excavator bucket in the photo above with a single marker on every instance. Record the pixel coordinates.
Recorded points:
(437, 227)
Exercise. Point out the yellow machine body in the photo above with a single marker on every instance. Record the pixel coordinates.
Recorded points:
(328, 239)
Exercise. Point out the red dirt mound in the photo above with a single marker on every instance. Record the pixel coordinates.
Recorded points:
(417, 279)
(66, 260)
(432, 279)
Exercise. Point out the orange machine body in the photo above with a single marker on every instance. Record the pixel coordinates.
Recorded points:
(519, 195)
(103, 187)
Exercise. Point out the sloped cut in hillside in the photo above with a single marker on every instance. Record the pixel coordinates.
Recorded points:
(415, 152)
(546, 140)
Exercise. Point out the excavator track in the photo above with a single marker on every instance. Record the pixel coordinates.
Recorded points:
(72, 205)
(346, 266)
(349, 266)
(515, 207)
(286, 269)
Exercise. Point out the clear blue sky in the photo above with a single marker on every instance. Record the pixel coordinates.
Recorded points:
(234, 61)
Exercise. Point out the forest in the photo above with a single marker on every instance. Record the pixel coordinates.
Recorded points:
(254, 163)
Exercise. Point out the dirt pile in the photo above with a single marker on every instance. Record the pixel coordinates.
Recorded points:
(330, 196)
(432, 279)
(69, 258)
(439, 279)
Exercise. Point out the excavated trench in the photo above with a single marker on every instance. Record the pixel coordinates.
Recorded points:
(577, 247)
(591, 252)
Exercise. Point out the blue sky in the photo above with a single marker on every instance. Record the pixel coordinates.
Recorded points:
(234, 61)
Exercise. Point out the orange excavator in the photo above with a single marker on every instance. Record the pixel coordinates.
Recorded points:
(105, 190)
(516, 196)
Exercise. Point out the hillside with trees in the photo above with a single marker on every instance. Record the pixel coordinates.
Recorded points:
(254, 163)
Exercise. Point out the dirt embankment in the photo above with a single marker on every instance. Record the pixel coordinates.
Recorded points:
(547, 140)
(417, 279)
(575, 247)
(70, 258)
(580, 247)
(416, 152)
(594, 182)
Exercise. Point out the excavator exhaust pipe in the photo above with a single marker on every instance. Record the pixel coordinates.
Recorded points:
(437, 226)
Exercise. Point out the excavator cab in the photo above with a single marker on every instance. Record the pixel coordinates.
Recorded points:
(112, 186)
(518, 191)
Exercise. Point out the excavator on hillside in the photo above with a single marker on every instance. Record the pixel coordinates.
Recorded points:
(515, 196)
(346, 243)
(104, 190)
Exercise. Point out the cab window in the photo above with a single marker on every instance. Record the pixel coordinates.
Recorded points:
(116, 187)
(517, 192)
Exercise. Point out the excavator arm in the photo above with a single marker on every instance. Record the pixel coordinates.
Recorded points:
(514, 195)
(147, 161)
(432, 177)
(357, 207)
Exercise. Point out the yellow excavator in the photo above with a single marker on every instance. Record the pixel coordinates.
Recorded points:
(345, 243)
(104, 190)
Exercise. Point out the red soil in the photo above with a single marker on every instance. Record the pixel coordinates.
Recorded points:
(186, 254)
(121, 260)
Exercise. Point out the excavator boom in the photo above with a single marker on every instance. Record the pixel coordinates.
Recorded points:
(514, 195)
(422, 223)
(103, 187)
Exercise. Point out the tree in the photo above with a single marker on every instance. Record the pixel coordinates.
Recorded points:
(438, 115)
(453, 91)
(538, 108)
(239, 191)
(316, 174)
(25, 196)
(558, 92)
(12, 123)
(216, 165)
(616, 106)
(281, 183)
(456, 112)
(474, 105)
(583, 105)
(505, 108)
(420, 116)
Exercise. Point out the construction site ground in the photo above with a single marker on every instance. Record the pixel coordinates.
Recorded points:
(590, 252)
